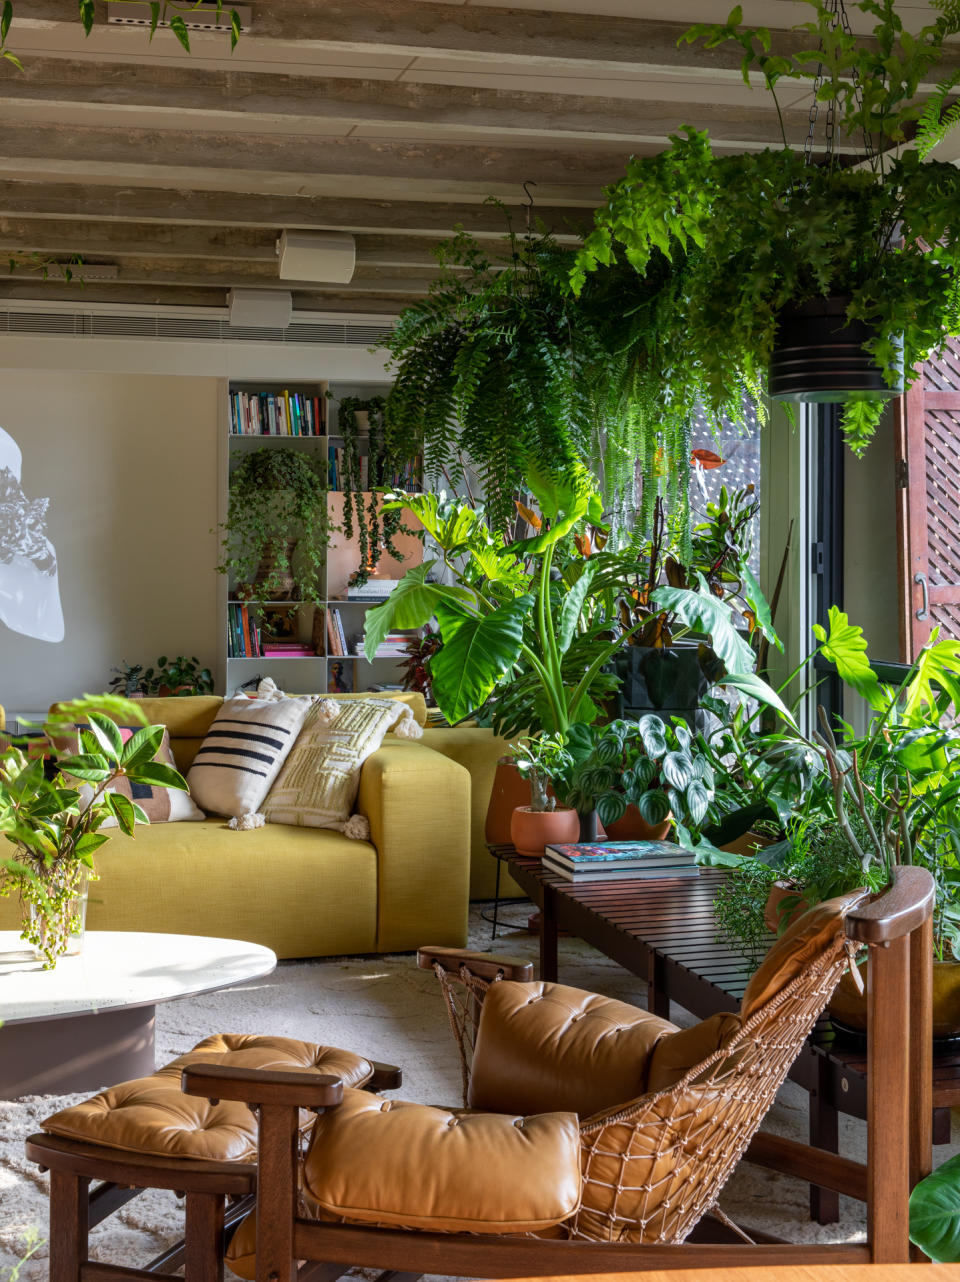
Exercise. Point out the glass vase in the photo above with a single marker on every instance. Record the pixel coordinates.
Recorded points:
(57, 928)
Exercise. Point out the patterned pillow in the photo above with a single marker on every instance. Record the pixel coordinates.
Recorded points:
(161, 805)
(319, 781)
(243, 751)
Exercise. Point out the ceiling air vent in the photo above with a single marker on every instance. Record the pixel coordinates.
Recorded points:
(215, 329)
(205, 16)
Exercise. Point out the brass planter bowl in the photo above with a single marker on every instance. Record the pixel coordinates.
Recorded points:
(850, 1006)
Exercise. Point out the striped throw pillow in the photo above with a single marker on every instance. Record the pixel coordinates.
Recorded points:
(243, 752)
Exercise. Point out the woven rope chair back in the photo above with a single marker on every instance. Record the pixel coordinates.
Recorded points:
(655, 1165)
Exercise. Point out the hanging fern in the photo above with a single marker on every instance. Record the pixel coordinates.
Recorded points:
(934, 123)
(501, 363)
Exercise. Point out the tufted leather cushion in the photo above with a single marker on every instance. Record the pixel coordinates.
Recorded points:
(675, 1054)
(546, 1048)
(152, 1115)
(441, 1170)
(809, 935)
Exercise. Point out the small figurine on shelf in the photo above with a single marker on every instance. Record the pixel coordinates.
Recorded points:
(339, 681)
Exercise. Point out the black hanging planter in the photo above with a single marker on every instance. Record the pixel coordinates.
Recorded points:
(819, 357)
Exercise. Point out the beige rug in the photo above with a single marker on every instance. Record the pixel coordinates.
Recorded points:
(387, 1009)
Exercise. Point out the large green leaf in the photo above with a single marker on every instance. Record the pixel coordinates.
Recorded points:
(107, 734)
(703, 612)
(475, 654)
(845, 646)
(452, 523)
(572, 606)
(157, 775)
(564, 498)
(411, 604)
(758, 603)
(937, 664)
(142, 746)
(755, 687)
(935, 1213)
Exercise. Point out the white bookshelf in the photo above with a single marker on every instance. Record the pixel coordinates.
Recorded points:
(307, 674)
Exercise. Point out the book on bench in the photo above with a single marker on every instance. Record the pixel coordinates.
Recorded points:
(598, 860)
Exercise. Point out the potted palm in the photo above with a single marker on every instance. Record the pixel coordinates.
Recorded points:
(729, 244)
(53, 807)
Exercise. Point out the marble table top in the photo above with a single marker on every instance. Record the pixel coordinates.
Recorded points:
(122, 969)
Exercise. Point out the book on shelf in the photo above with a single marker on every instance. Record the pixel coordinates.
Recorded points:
(341, 635)
(392, 646)
(283, 650)
(373, 590)
(407, 477)
(283, 413)
(243, 637)
(333, 638)
(596, 861)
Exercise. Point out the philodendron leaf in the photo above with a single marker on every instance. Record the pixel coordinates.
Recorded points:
(475, 654)
(755, 687)
(760, 606)
(572, 606)
(703, 612)
(846, 647)
(411, 604)
(935, 1213)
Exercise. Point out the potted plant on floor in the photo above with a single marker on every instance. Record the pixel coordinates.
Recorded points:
(53, 807)
(730, 243)
(542, 760)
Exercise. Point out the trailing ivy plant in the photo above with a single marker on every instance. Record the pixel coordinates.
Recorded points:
(503, 363)
(278, 498)
(728, 242)
(376, 528)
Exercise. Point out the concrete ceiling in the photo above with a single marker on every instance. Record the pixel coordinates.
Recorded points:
(391, 119)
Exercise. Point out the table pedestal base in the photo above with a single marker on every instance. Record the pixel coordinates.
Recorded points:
(76, 1052)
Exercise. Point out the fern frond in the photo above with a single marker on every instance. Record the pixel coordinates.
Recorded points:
(935, 122)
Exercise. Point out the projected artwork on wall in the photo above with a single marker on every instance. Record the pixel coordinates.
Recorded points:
(29, 586)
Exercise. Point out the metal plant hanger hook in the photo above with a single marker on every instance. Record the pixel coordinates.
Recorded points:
(529, 207)
(838, 10)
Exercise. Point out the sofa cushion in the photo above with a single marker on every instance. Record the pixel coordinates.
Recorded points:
(152, 1115)
(317, 786)
(546, 1047)
(674, 1055)
(243, 751)
(413, 699)
(442, 1170)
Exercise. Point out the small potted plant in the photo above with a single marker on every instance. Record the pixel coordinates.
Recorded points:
(52, 810)
(542, 760)
(640, 777)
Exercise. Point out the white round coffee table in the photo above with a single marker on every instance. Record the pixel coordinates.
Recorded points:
(90, 1021)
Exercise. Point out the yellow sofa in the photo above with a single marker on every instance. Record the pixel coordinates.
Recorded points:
(304, 892)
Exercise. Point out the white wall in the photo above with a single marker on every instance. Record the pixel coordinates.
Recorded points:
(123, 437)
(870, 588)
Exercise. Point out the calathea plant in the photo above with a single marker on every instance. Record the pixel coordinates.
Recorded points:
(277, 504)
(727, 243)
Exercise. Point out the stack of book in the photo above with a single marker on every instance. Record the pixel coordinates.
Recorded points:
(276, 414)
(336, 637)
(628, 860)
(372, 590)
(286, 649)
(243, 637)
(393, 646)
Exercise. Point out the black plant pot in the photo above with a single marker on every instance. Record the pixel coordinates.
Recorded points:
(588, 825)
(669, 681)
(819, 357)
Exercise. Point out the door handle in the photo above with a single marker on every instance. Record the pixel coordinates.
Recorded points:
(924, 612)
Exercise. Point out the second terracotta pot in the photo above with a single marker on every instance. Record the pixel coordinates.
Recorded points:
(631, 826)
(532, 830)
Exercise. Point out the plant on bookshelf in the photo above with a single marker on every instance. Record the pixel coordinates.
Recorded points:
(361, 475)
(277, 529)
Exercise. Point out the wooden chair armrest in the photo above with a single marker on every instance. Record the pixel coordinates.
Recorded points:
(259, 1086)
(486, 965)
(895, 913)
(386, 1077)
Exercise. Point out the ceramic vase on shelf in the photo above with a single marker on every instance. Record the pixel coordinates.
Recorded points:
(532, 830)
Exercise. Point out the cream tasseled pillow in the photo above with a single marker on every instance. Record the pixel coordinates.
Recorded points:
(317, 786)
(242, 753)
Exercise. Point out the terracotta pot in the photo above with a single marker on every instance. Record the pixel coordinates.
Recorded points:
(772, 917)
(631, 826)
(531, 830)
(850, 1007)
(746, 844)
(510, 790)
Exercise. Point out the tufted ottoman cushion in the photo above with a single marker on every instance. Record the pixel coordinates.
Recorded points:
(151, 1115)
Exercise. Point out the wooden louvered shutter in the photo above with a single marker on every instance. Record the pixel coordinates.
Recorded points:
(929, 508)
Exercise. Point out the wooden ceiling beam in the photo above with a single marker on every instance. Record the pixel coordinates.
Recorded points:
(114, 204)
(253, 163)
(499, 38)
(206, 100)
(116, 241)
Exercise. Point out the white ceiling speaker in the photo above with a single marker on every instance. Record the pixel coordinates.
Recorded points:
(325, 256)
(260, 308)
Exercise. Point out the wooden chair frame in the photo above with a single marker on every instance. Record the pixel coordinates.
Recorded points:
(896, 927)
